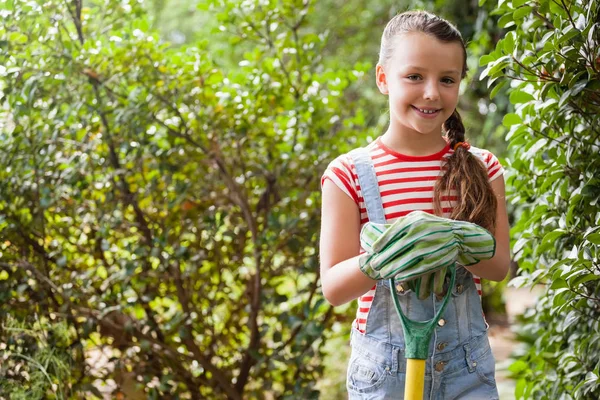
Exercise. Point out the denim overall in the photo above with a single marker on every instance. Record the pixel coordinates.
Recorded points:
(460, 364)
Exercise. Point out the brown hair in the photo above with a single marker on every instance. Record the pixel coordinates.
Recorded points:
(464, 172)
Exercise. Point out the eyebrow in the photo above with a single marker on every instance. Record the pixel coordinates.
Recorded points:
(450, 71)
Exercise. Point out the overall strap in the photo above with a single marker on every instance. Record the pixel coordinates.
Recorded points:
(369, 187)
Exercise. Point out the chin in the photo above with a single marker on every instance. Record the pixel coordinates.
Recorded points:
(428, 131)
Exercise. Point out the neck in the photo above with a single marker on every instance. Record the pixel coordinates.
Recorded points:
(413, 143)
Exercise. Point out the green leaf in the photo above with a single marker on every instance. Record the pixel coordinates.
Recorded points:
(564, 98)
(578, 87)
(520, 388)
(519, 96)
(509, 42)
(593, 238)
(17, 37)
(101, 272)
(522, 12)
(550, 179)
(558, 284)
(549, 240)
(575, 78)
(497, 88)
(518, 366)
(485, 60)
(536, 147)
(516, 132)
(573, 206)
(498, 67)
(568, 34)
(511, 119)
(506, 21)
(584, 278)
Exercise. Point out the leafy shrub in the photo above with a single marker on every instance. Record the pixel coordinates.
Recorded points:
(165, 208)
(551, 58)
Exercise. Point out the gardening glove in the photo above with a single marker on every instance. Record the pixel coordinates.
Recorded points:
(434, 282)
(421, 243)
(425, 284)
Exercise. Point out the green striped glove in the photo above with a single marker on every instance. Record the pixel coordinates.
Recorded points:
(419, 244)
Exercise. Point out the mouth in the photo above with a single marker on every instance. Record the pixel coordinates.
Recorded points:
(427, 112)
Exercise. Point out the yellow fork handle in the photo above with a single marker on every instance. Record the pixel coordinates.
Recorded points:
(415, 379)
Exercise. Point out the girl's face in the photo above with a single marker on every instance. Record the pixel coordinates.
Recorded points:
(422, 80)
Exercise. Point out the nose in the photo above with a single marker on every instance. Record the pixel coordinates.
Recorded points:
(432, 91)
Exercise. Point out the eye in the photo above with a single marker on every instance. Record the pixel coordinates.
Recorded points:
(413, 77)
(448, 80)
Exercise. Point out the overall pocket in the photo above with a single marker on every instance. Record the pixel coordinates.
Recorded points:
(364, 374)
(485, 367)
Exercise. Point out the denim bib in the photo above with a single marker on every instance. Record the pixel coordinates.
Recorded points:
(460, 363)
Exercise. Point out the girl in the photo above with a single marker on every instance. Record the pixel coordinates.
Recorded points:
(422, 162)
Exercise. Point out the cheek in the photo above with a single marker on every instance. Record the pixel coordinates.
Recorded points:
(451, 96)
(402, 98)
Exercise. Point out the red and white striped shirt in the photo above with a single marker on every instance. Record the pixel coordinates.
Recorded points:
(406, 184)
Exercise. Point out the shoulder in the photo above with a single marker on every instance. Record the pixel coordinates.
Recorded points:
(341, 167)
(348, 157)
(343, 164)
(489, 160)
(480, 153)
(342, 171)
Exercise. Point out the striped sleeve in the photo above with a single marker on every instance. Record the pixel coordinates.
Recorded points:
(494, 167)
(341, 172)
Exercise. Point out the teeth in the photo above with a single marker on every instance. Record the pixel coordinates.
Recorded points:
(428, 111)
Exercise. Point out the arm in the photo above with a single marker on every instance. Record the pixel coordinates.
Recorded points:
(496, 268)
(341, 278)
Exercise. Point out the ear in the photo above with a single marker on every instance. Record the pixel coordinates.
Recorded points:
(381, 79)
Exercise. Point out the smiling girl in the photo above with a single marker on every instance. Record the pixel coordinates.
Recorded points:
(421, 163)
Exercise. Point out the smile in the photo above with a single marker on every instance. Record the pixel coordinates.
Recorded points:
(426, 113)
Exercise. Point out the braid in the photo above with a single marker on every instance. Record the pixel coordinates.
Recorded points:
(454, 128)
(466, 174)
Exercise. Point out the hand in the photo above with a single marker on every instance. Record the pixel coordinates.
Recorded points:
(476, 243)
(420, 243)
(431, 282)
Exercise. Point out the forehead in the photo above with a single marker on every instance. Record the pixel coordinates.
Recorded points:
(417, 49)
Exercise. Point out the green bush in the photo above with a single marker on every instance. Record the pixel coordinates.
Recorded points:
(551, 58)
(163, 207)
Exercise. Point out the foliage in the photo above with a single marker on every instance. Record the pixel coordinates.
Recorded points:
(165, 208)
(36, 361)
(551, 58)
(351, 33)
